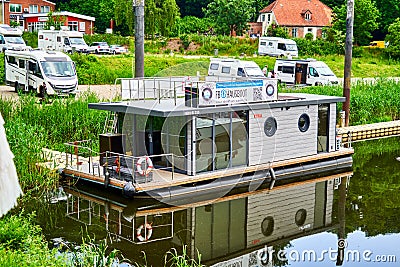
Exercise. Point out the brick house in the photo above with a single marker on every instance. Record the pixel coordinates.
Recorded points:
(31, 15)
(74, 22)
(298, 16)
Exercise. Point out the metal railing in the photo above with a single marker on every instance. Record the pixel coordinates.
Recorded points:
(138, 169)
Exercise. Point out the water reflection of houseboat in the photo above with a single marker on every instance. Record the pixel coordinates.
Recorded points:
(220, 136)
(232, 229)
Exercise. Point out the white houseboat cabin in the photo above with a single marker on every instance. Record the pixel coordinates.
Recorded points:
(175, 137)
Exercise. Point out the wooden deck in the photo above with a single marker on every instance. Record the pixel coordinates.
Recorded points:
(163, 179)
(369, 131)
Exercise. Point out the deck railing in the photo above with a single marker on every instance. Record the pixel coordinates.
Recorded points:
(158, 88)
(144, 169)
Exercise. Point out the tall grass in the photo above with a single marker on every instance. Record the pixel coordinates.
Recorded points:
(369, 102)
(31, 125)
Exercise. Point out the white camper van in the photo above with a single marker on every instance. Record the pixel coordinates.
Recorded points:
(305, 71)
(234, 68)
(277, 47)
(43, 72)
(11, 38)
(62, 40)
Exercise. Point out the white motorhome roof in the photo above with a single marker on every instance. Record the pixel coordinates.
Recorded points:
(40, 55)
(6, 29)
(67, 33)
(277, 39)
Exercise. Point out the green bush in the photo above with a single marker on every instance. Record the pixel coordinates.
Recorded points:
(22, 244)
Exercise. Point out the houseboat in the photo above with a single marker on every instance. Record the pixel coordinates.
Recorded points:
(172, 138)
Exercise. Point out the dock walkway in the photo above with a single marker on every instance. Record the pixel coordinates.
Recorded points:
(369, 131)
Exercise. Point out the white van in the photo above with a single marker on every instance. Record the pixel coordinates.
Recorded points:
(43, 72)
(234, 68)
(62, 40)
(306, 72)
(277, 47)
(11, 38)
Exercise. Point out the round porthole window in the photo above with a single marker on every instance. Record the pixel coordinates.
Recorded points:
(304, 122)
(300, 217)
(267, 226)
(270, 126)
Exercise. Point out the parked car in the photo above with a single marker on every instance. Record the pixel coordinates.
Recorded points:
(117, 49)
(99, 47)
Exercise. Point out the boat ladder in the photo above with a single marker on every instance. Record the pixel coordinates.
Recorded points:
(110, 125)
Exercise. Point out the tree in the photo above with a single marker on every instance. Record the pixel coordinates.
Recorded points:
(390, 10)
(365, 20)
(55, 21)
(277, 31)
(230, 15)
(192, 7)
(159, 17)
(393, 37)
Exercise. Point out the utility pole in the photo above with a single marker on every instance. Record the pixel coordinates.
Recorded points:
(347, 59)
(138, 6)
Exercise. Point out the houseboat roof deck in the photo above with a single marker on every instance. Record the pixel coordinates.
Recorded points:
(176, 107)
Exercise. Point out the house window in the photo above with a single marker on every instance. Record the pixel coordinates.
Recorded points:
(73, 25)
(294, 32)
(35, 26)
(15, 8)
(307, 16)
(263, 17)
(33, 9)
(309, 30)
(44, 9)
(269, 17)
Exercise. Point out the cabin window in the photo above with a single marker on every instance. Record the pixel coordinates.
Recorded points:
(11, 60)
(21, 63)
(307, 16)
(269, 17)
(240, 72)
(214, 66)
(270, 44)
(262, 17)
(267, 226)
(59, 39)
(288, 69)
(221, 140)
(282, 46)
(263, 43)
(226, 70)
(270, 126)
(304, 123)
(300, 217)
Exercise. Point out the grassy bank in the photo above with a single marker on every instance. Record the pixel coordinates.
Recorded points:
(369, 103)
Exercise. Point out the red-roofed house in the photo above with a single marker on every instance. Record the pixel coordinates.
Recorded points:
(298, 16)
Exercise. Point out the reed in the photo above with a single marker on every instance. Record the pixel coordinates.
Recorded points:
(369, 102)
(31, 125)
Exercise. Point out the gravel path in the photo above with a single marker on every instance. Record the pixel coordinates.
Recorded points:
(105, 92)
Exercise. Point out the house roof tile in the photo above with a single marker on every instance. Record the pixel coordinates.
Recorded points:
(291, 12)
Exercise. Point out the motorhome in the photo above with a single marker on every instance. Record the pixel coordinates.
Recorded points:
(11, 38)
(304, 72)
(234, 68)
(62, 40)
(42, 72)
(277, 47)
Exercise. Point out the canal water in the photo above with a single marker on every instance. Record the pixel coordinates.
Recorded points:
(349, 219)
